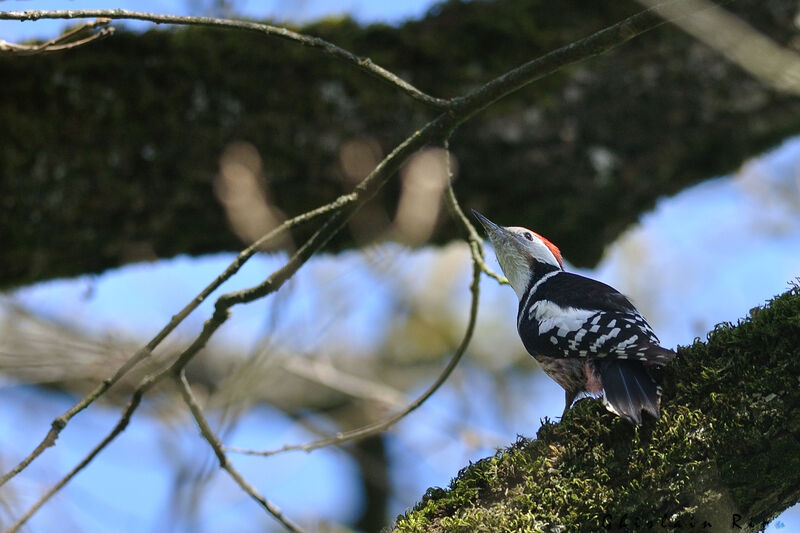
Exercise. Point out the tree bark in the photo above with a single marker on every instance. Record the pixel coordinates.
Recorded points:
(726, 449)
(110, 150)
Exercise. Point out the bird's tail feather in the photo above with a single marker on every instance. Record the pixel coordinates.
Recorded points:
(629, 389)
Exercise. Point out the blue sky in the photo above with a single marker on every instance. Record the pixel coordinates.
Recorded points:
(730, 243)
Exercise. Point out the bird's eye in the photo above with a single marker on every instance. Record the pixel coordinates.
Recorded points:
(528, 235)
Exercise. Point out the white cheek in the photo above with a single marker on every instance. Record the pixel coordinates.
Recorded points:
(542, 253)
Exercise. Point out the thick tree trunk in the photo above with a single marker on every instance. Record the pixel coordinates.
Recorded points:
(109, 151)
(726, 449)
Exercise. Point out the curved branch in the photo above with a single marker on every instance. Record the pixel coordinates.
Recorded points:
(362, 63)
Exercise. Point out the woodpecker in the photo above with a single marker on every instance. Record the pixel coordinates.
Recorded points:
(586, 335)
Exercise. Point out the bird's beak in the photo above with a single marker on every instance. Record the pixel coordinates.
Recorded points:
(500, 237)
(488, 224)
(492, 229)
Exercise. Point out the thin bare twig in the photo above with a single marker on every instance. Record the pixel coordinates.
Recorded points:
(224, 462)
(377, 427)
(475, 243)
(362, 63)
(59, 423)
(62, 42)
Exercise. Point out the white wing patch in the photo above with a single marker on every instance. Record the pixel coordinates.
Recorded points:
(550, 316)
(570, 332)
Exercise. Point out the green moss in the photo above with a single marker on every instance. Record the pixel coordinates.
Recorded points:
(726, 443)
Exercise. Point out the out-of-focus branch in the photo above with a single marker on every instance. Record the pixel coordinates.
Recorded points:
(736, 40)
(362, 63)
(210, 326)
(63, 41)
(328, 375)
(224, 462)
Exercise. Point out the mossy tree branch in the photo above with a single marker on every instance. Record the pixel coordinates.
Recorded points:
(726, 448)
(86, 182)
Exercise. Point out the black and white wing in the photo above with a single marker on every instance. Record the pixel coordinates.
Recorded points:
(568, 315)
